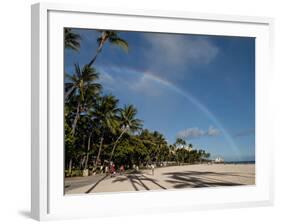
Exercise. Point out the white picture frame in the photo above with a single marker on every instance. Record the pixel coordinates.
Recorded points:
(48, 200)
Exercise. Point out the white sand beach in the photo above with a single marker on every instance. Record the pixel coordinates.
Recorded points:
(174, 177)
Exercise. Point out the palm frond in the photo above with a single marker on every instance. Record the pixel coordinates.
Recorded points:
(120, 43)
(71, 39)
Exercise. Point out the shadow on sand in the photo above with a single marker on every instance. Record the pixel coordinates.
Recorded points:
(176, 180)
(195, 179)
(137, 180)
(96, 184)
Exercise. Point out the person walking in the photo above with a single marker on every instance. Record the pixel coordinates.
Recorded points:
(152, 169)
(101, 169)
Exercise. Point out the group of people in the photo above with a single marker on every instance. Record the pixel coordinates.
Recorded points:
(111, 169)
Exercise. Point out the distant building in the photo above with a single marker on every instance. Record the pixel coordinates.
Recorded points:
(219, 160)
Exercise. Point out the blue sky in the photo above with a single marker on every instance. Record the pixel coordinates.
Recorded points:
(201, 88)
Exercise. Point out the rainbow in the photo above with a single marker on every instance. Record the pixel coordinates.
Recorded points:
(184, 93)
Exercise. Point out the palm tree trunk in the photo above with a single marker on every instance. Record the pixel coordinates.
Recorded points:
(76, 119)
(88, 149)
(66, 95)
(70, 166)
(115, 144)
(100, 147)
(94, 58)
(82, 161)
(97, 52)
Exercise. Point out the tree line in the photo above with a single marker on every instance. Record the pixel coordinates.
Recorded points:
(98, 131)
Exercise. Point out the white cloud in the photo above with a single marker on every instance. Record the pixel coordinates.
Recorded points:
(176, 52)
(147, 86)
(120, 79)
(196, 133)
(106, 80)
(212, 131)
(166, 56)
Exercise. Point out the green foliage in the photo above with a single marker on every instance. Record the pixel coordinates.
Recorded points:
(73, 173)
(113, 38)
(71, 39)
(69, 141)
(82, 82)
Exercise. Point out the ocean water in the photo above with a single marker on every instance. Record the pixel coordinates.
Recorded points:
(240, 162)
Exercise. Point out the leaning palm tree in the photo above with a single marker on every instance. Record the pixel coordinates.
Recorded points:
(81, 84)
(113, 38)
(71, 39)
(105, 116)
(128, 123)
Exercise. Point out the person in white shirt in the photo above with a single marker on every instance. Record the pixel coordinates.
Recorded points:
(152, 169)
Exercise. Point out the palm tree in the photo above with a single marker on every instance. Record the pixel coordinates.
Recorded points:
(105, 115)
(128, 122)
(71, 39)
(205, 155)
(160, 142)
(69, 141)
(80, 85)
(180, 142)
(148, 141)
(201, 154)
(85, 130)
(113, 38)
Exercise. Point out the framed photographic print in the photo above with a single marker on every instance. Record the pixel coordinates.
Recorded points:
(149, 110)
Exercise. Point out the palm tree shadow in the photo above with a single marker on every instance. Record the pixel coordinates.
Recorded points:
(96, 184)
(137, 179)
(195, 179)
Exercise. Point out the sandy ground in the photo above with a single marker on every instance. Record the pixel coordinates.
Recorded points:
(175, 177)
